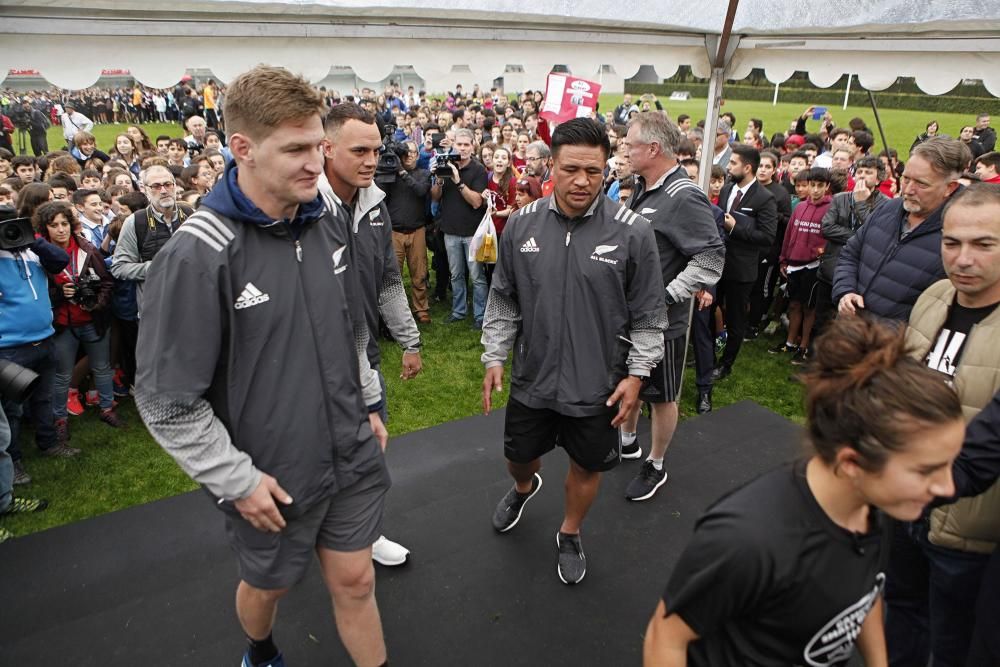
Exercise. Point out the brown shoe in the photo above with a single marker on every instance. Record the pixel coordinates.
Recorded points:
(423, 318)
(111, 418)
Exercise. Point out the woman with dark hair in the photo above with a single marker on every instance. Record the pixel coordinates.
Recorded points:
(789, 569)
(502, 183)
(519, 158)
(140, 138)
(931, 131)
(81, 297)
(30, 197)
(507, 136)
(126, 150)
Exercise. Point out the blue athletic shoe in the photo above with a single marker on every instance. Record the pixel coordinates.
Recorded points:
(276, 662)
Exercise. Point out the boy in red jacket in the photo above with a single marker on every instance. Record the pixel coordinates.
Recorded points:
(799, 262)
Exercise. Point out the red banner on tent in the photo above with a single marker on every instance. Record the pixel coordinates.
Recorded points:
(35, 72)
(567, 97)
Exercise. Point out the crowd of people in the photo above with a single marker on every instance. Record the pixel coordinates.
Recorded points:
(880, 275)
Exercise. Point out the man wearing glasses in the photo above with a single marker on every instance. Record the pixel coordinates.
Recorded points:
(539, 164)
(146, 231)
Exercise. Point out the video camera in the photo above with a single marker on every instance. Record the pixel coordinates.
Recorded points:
(21, 119)
(390, 160)
(15, 233)
(442, 162)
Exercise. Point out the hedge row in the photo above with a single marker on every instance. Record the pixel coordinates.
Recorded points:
(830, 97)
(800, 80)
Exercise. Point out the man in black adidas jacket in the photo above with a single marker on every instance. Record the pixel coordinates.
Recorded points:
(577, 294)
(250, 369)
(691, 258)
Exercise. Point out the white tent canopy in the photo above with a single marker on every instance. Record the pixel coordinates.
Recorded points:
(938, 42)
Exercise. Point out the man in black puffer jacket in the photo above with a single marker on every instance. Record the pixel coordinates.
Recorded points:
(896, 255)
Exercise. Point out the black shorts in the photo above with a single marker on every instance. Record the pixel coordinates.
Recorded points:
(664, 385)
(802, 286)
(350, 520)
(590, 441)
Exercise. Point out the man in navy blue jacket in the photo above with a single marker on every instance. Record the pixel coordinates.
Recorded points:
(896, 255)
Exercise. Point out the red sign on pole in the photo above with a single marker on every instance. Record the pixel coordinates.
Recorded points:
(567, 97)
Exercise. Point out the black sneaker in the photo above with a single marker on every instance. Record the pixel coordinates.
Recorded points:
(632, 451)
(508, 511)
(645, 484)
(782, 348)
(800, 358)
(572, 563)
(751, 334)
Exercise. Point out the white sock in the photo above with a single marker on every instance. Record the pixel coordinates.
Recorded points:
(657, 463)
(628, 438)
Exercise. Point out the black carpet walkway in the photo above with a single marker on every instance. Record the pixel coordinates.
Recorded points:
(154, 585)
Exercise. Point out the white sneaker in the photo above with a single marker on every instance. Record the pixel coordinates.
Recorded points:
(386, 552)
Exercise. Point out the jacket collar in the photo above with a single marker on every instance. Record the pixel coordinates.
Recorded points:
(367, 199)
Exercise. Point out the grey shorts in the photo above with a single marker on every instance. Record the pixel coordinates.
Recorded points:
(350, 520)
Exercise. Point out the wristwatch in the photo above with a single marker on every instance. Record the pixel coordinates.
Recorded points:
(460, 186)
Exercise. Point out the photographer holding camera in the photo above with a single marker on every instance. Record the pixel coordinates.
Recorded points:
(81, 297)
(406, 198)
(26, 332)
(458, 184)
(34, 122)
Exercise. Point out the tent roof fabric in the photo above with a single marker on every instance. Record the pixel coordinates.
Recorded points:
(938, 42)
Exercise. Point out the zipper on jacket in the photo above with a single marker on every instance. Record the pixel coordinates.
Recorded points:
(298, 251)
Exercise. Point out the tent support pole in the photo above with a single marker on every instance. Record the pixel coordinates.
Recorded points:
(719, 54)
(847, 93)
(878, 121)
(774, 102)
(711, 125)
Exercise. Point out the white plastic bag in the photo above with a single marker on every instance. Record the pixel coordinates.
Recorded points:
(483, 247)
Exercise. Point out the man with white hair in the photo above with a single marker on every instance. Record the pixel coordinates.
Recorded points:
(197, 127)
(73, 121)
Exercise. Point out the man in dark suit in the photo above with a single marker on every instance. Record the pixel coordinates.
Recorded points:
(751, 222)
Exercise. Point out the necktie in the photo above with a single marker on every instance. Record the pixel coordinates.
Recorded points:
(736, 201)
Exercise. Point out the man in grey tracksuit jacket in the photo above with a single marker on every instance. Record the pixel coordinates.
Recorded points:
(577, 294)
(242, 366)
(692, 256)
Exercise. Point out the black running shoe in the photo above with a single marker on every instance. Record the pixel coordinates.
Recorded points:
(646, 483)
(800, 358)
(508, 511)
(572, 563)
